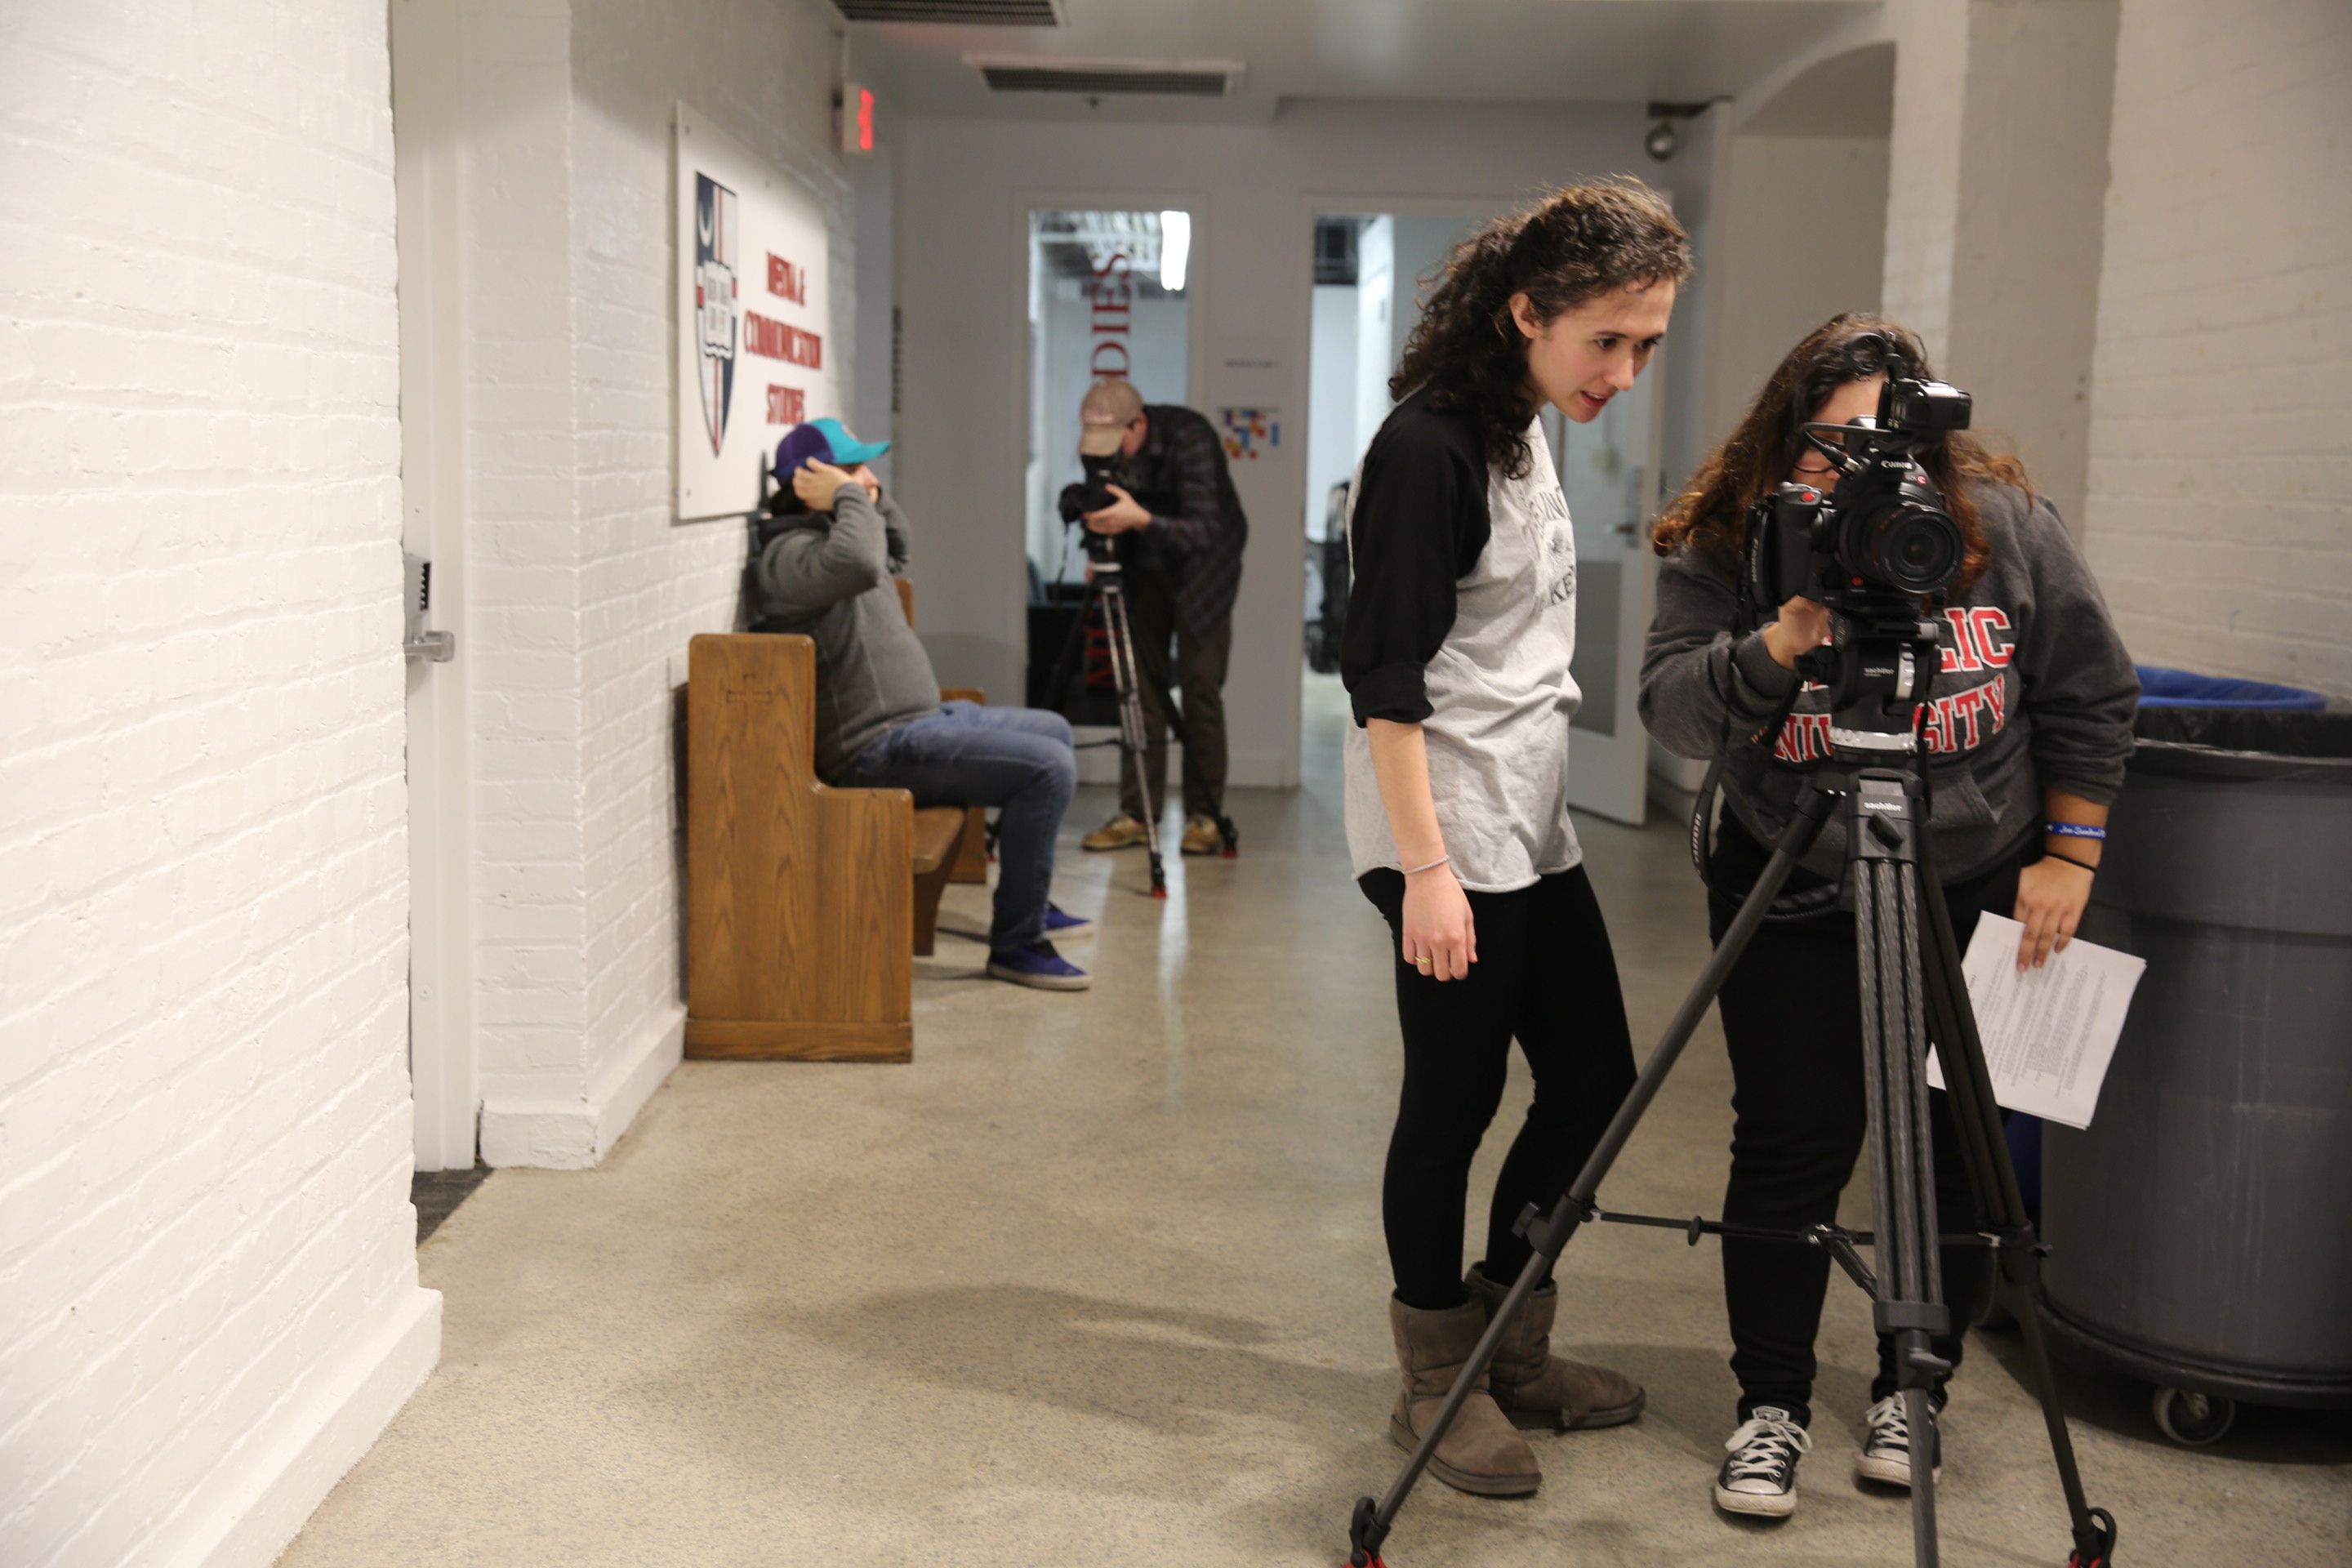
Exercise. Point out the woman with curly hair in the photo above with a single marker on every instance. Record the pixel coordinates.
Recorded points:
(1455, 656)
(2026, 732)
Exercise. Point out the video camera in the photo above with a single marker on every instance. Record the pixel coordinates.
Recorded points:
(1868, 550)
(1092, 494)
(1885, 529)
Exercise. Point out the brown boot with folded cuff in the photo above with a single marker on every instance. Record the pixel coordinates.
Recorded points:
(1531, 1387)
(1481, 1452)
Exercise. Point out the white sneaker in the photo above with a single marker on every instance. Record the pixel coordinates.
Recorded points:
(1760, 1477)
(1886, 1445)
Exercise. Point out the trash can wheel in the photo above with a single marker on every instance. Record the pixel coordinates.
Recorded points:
(2193, 1420)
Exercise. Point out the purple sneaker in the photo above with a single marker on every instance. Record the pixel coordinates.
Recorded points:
(1063, 926)
(1039, 966)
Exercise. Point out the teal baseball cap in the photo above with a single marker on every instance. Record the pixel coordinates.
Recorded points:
(827, 440)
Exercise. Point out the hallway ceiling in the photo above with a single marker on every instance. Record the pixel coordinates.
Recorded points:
(1603, 51)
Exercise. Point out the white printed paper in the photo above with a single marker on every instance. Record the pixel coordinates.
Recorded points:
(2050, 1032)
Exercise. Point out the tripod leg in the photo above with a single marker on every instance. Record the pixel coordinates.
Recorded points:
(1133, 737)
(2018, 1256)
(1549, 1234)
(1882, 829)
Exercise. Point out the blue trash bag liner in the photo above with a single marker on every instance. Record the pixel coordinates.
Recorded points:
(2161, 688)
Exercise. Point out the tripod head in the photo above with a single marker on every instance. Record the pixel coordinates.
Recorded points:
(1881, 660)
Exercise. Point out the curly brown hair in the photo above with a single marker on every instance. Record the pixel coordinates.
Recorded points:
(1577, 245)
(1711, 514)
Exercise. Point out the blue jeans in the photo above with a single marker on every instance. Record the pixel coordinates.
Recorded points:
(1015, 758)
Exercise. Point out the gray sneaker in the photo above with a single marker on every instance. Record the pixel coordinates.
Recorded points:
(1886, 1445)
(1760, 1477)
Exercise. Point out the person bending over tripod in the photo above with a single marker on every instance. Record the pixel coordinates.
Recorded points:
(2026, 733)
(1181, 530)
(827, 554)
(1455, 654)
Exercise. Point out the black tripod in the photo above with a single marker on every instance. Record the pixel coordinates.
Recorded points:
(1912, 993)
(1106, 587)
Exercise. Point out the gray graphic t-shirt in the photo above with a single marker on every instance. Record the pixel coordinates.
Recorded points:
(1496, 691)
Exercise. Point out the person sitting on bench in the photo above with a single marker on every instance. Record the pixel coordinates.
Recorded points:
(827, 554)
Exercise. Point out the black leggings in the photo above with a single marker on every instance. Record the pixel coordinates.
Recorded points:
(1793, 1019)
(1545, 974)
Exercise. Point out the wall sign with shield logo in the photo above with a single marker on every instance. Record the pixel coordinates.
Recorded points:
(754, 315)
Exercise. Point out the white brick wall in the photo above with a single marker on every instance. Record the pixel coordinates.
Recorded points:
(209, 1298)
(585, 593)
(2219, 515)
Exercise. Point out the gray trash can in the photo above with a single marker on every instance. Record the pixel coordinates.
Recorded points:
(2200, 1229)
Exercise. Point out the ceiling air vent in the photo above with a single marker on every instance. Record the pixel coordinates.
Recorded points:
(1182, 78)
(958, 13)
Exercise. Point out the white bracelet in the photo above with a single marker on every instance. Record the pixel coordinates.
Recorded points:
(1433, 866)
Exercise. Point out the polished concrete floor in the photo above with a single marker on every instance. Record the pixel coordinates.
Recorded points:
(1098, 1280)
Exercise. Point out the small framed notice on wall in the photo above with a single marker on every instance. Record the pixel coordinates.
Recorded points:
(753, 317)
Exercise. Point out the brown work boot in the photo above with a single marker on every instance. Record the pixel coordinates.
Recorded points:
(1534, 1387)
(1201, 835)
(1480, 1452)
(1117, 833)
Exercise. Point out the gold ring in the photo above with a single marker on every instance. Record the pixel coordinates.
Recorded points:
(1422, 963)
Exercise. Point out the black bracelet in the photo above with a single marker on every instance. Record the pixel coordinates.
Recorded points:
(2085, 865)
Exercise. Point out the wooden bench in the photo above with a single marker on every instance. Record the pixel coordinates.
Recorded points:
(802, 919)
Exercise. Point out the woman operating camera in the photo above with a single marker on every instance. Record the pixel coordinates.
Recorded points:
(2026, 733)
(1455, 656)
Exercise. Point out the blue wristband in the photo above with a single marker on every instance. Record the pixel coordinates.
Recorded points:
(2073, 830)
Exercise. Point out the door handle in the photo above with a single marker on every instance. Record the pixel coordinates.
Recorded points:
(439, 647)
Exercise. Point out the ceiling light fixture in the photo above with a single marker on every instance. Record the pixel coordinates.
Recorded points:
(1175, 249)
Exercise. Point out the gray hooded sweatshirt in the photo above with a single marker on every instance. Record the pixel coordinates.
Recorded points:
(2036, 692)
(828, 575)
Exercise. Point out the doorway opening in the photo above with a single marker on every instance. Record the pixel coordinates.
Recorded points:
(1108, 296)
(1371, 271)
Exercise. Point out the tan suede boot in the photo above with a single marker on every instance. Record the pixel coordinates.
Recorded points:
(1532, 1386)
(1480, 1452)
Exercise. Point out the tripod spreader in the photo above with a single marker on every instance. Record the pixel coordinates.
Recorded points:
(1107, 588)
(1912, 994)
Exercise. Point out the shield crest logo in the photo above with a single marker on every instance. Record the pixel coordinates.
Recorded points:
(714, 301)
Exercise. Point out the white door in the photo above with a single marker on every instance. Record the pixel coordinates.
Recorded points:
(426, 120)
(1609, 470)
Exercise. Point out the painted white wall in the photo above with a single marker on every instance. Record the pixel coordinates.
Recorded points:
(585, 595)
(1800, 236)
(873, 179)
(1253, 189)
(1999, 162)
(2219, 516)
(207, 1270)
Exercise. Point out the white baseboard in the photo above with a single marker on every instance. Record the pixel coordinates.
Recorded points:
(267, 1502)
(576, 1135)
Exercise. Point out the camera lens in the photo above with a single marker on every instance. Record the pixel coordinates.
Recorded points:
(1916, 550)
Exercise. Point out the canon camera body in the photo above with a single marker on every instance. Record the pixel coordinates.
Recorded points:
(1885, 529)
(1093, 492)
